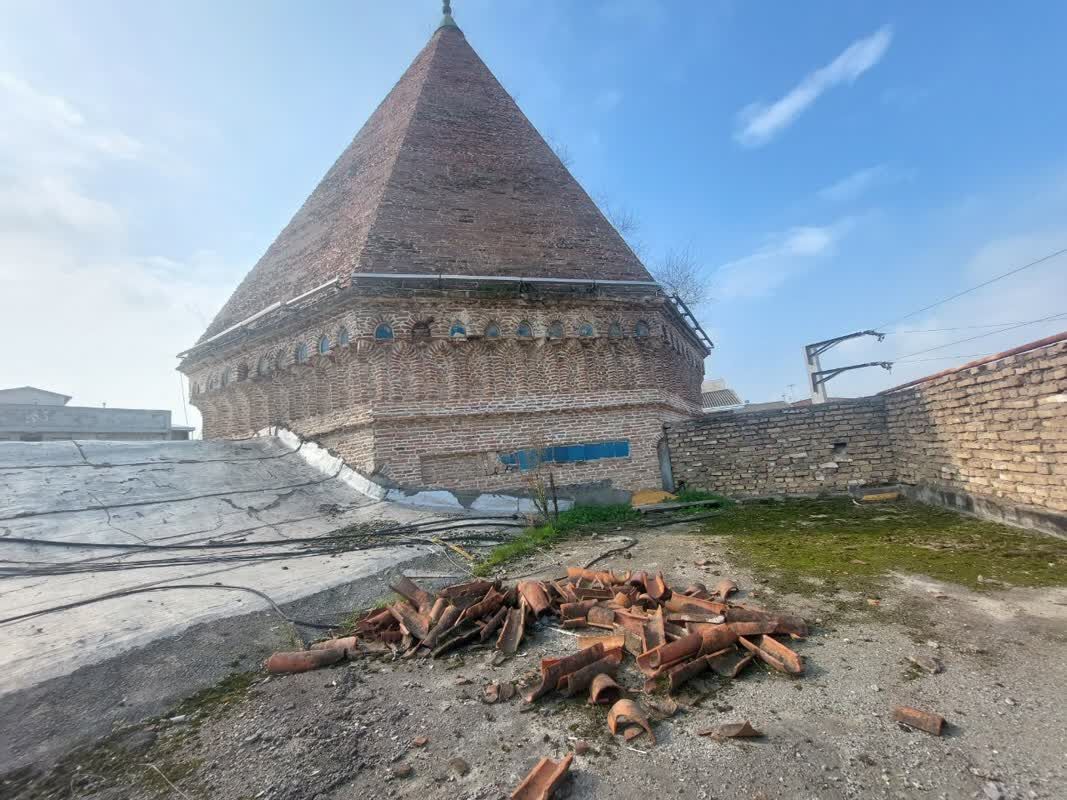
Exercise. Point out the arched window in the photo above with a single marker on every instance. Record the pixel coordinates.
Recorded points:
(641, 329)
(586, 329)
(279, 359)
(384, 332)
(457, 330)
(196, 388)
(227, 376)
(300, 355)
(213, 383)
(324, 345)
(524, 329)
(263, 366)
(492, 331)
(555, 330)
(421, 330)
(342, 337)
(615, 330)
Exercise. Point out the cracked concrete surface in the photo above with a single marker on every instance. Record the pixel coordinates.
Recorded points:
(133, 493)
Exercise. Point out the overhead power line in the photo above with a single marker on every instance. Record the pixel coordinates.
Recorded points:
(994, 279)
(982, 335)
(943, 358)
(960, 327)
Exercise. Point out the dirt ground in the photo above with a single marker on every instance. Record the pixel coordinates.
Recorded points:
(348, 732)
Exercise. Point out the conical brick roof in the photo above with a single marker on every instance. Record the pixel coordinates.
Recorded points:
(447, 176)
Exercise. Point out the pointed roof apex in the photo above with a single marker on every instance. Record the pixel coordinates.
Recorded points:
(446, 19)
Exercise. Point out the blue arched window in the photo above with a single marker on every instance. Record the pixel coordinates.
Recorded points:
(524, 329)
(300, 355)
(586, 329)
(457, 329)
(492, 331)
(324, 345)
(615, 330)
(384, 332)
(342, 337)
(555, 330)
(641, 329)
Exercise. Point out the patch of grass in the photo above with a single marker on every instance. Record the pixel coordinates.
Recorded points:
(821, 546)
(581, 519)
(215, 699)
(695, 496)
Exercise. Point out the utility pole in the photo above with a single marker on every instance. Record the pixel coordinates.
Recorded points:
(818, 377)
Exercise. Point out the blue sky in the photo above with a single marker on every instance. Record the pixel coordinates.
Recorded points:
(833, 166)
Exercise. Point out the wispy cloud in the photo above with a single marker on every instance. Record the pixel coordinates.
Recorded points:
(781, 258)
(65, 256)
(758, 123)
(864, 180)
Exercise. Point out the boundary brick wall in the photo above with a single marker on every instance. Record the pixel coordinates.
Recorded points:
(996, 432)
(990, 439)
(802, 450)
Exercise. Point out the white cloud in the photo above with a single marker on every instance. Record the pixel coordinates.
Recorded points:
(920, 345)
(781, 258)
(758, 123)
(90, 317)
(863, 180)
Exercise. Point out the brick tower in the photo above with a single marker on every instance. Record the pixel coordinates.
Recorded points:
(449, 304)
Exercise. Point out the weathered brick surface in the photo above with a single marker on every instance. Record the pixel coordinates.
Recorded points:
(823, 448)
(447, 176)
(997, 432)
(428, 408)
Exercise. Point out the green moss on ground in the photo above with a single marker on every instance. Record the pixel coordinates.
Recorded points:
(579, 520)
(818, 546)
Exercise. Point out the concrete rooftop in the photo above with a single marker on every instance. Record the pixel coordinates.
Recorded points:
(157, 493)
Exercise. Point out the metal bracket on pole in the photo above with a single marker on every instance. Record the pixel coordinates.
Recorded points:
(824, 375)
(817, 377)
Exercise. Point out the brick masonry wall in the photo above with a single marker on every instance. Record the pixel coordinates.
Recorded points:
(824, 448)
(996, 431)
(438, 410)
(996, 434)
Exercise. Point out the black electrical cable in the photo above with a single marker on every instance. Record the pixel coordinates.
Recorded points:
(128, 592)
(418, 527)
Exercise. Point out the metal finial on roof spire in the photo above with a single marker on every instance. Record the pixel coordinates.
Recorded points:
(446, 20)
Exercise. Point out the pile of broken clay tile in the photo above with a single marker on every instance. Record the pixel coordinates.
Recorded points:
(674, 635)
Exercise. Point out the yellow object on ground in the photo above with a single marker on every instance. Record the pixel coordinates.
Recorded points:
(644, 497)
(884, 497)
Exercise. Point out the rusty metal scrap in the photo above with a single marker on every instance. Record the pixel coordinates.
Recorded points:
(916, 718)
(625, 714)
(542, 780)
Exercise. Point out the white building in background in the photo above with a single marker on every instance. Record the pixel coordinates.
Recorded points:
(29, 414)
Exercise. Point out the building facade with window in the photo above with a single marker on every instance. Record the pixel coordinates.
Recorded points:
(449, 306)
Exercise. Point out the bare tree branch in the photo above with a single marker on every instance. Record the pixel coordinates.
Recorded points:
(563, 153)
(681, 273)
